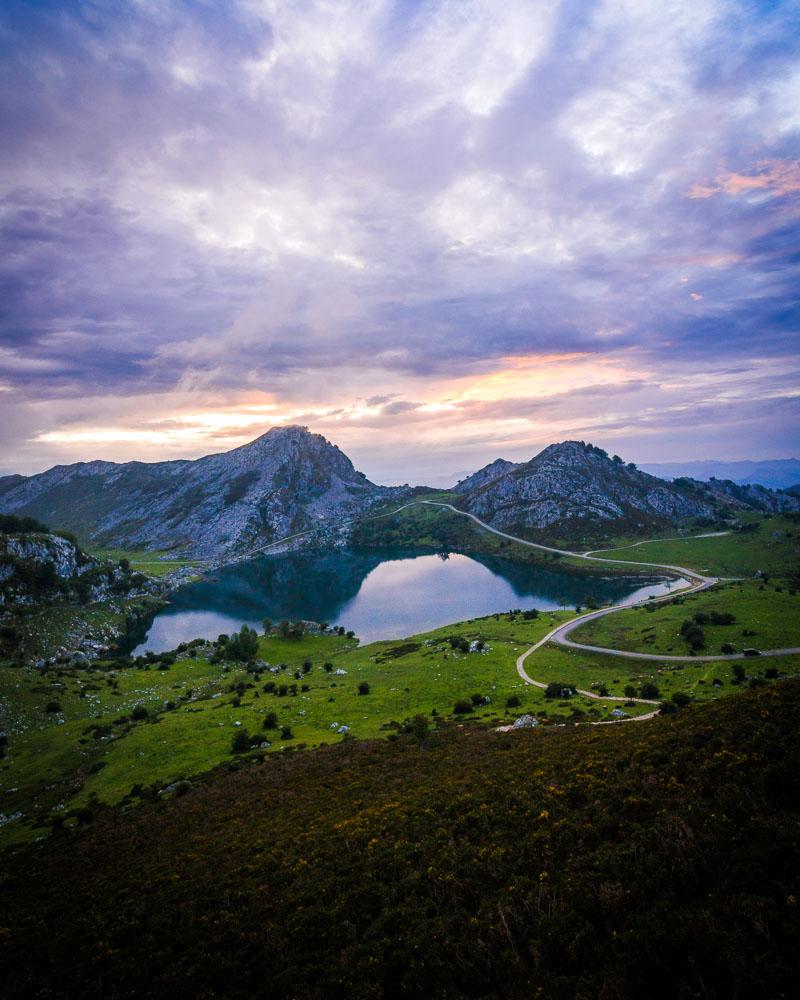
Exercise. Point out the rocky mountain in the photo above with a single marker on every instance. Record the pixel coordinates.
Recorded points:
(38, 565)
(499, 467)
(574, 488)
(286, 481)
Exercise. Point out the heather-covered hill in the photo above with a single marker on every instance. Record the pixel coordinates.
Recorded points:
(654, 859)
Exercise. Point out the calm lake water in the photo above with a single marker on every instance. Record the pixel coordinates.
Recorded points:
(385, 595)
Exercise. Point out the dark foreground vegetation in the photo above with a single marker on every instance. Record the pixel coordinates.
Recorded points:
(639, 860)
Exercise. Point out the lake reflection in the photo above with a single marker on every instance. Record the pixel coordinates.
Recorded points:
(379, 595)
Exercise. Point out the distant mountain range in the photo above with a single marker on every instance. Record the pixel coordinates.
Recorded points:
(778, 474)
(290, 481)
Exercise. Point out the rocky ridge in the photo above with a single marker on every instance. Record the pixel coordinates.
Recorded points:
(222, 506)
(574, 486)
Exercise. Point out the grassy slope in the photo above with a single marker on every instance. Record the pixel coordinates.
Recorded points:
(771, 611)
(438, 529)
(50, 754)
(736, 554)
(617, 862)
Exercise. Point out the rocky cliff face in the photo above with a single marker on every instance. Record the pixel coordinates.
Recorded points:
(39, 566)
(574, 487)
(286, 481)
(500, 467)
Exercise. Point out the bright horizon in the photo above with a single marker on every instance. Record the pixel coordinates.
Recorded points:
(436, 233)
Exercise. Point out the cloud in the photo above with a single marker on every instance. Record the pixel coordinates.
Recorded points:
(355, 211)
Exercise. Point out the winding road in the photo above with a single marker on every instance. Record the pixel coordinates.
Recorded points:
(558, 635)
(694, 582)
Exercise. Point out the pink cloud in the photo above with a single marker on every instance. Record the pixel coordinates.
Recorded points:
(775, 177)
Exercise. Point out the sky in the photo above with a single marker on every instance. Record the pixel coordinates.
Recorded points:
(437, 233)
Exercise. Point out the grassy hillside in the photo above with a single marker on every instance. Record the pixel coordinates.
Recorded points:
(616, 862)
(92, 749)
(771, 546)
(766, 616)
(439, 529)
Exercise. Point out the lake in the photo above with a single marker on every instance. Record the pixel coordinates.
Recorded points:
(379, 595)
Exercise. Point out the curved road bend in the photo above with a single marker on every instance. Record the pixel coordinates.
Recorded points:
(559, 634)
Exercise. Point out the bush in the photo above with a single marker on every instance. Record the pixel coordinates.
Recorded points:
(649, 690)
(53, 706)
(286, 733)
(139, 713)
(559, 689)
(240, 742)
(462, 707)
(513, 701)
(693, 634)
(270, 721)
(681, 699)
(478, 699)
(419, 726)
(363, 688)
(726, 649)
(327, 667)
(629, 691)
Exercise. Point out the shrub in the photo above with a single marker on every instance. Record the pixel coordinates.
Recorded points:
(629, 691)
(513, 701)
(737, 669)
(558, 689)
(363, 688)
(462, 707)
(726, 649)
(286, 733)
(681, 699)
(327, 667)
(139, 713)
(270, 721)
(419, 726)
(53, 706)
(649, 690)
(478, 699)
(307, 667)
(240, 742)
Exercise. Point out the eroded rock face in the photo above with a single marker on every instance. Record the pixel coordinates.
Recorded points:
(488, 474)
(38, 550)
(575, 482)
(286, 481)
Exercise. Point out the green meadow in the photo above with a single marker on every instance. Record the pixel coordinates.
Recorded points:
(81, 738)
(770, 545)
(766, 616)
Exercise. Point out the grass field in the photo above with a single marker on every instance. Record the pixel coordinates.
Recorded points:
(151, 563)
(769, 612)
(56, 762)
(773, 548)
(89, 749)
